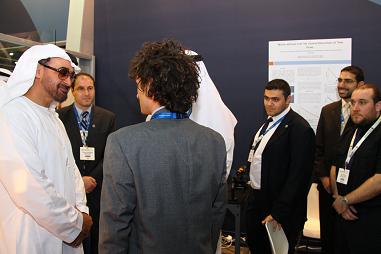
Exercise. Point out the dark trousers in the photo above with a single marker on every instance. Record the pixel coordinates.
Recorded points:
(90, 245)
(327, 216)
(359, 236)
(257, 239)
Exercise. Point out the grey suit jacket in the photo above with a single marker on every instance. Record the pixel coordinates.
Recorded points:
(163, 189)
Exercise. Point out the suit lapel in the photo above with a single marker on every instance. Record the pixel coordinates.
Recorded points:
(93, 123)
(75, 130)
(282, 128)
(335, 115)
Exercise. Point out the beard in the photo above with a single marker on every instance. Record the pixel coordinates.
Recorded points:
(60, 94)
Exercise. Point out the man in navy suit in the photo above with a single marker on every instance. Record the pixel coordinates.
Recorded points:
(280, 161)
(88, 126)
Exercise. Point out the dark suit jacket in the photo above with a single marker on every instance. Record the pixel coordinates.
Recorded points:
(327, 138)
(102, 124)
(163, 189)
(287, 162)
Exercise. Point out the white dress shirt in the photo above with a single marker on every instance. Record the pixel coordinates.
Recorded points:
(256, 164)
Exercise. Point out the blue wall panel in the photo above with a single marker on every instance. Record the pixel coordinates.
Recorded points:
(233, 36)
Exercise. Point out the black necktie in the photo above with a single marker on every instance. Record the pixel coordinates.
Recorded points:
(263, 130)
(84, 120)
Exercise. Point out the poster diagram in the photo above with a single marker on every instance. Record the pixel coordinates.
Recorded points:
(311, 67)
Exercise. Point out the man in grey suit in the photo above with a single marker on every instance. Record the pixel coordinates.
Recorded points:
(164, 180)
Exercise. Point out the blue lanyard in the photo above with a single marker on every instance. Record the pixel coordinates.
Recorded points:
(79, 120)
(259, 139)
(274, 125)
(170, 115)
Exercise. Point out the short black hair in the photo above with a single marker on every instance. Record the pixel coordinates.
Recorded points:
(376, 92)
(169, 74)
(355, 70)
(279, 84)
(81, 74)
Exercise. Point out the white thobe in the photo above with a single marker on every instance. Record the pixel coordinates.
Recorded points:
(209, 110)
(40, 185)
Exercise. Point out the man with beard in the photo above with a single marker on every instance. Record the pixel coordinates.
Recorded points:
(334, 120)
(41, 190)
(280, 162)
(356, 177)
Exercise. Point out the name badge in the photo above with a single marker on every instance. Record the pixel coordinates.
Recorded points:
(251, 156)
(87, 153)
(342, 176)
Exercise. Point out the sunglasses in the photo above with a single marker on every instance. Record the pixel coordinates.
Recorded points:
(63, 72)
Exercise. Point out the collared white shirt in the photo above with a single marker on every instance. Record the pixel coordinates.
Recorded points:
(256, 164)
(148, 118)
(79, 111)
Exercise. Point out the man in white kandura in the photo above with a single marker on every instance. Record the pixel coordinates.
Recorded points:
(43, 202)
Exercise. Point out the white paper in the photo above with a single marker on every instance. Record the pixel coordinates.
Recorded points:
(311, 67)
(278, 240)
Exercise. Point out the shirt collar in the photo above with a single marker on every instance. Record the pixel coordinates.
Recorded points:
(156, 110)
(277, 117)
(344, 103)
(79, 111)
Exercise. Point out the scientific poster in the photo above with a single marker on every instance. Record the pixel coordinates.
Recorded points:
(311, 67)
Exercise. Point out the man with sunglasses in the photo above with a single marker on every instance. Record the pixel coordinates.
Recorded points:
(333, 122)
(88, 126)
(41, 190)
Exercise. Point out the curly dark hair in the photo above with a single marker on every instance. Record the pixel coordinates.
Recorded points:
(167, 74)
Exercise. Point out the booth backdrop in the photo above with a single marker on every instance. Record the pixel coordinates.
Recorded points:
(232, 36)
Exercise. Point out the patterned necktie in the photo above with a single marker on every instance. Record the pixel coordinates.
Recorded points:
(84, 120)
(346, 115)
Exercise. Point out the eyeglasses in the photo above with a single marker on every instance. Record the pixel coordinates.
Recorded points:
(346, 80)
(63, 72)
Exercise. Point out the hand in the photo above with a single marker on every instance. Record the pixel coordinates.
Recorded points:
(325, 180)
(349, 214)
(276, 225)
(90, 183)
(339, 204)
(86, 227)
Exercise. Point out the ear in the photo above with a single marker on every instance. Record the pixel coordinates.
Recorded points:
(360, 83)
(39, 72)
(378, 107)
(288, 100)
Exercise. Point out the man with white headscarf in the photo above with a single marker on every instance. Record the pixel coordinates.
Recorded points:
(209, 110)
(43, 201)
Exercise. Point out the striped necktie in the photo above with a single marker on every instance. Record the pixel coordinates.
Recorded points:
(85, 120)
